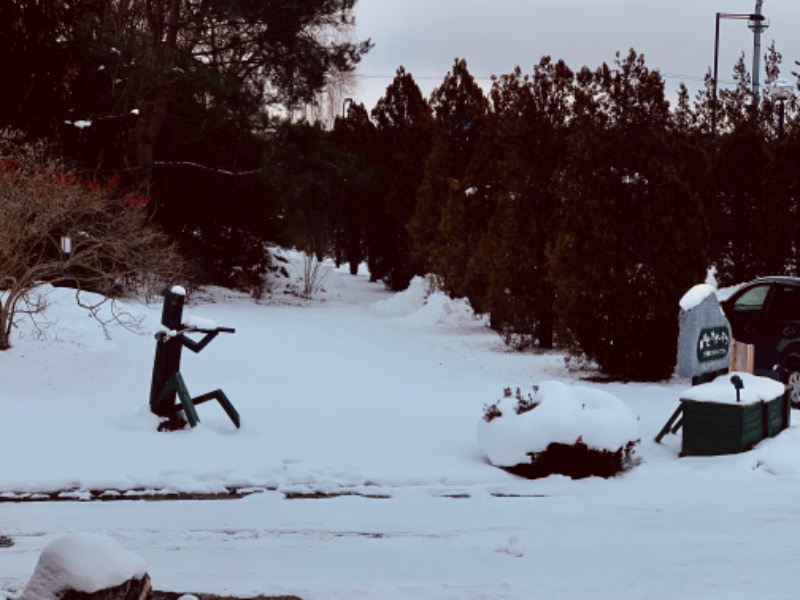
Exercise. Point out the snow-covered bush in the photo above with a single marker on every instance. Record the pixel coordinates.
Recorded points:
(571, 430)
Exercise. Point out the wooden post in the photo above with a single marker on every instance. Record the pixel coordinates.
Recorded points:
(743, 357)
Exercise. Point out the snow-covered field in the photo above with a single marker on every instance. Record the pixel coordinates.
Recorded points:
(375, 396)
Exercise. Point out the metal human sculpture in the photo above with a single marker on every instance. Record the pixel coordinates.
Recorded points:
(168, 393)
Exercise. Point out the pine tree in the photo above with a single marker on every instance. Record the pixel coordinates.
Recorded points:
(432, 195)
(632, 238)
(769, 107)
(532, 117)
(450, 218)
(683, 117)
(706, 113)
(747, 216)
(737, 104)
(177, 94)
(459, 109)
(403, 121)
(355, 136)
(785, 188)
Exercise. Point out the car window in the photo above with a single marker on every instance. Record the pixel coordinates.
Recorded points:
(752, 300)
(785, 304)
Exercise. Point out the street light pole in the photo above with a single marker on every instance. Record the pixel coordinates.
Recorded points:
(345, 103)
(753, 18)
(782, 90)
(757, 26)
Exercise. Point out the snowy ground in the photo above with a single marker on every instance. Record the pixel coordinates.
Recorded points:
(359, 391)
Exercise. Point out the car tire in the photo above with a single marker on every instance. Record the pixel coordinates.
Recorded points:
(791, 369)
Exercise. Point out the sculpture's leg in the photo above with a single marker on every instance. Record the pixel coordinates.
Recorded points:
(186, 400)
(177, 384)
(166, 408)
(220, 397)
(163, 405)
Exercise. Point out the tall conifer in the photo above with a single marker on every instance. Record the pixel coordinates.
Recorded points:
(403, 119)
(447, 200)
(632, 238)
(355, 136)
(532, 118)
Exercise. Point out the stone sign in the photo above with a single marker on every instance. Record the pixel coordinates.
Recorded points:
(704, 340)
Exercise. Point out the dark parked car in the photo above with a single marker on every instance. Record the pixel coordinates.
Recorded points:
(766, 313)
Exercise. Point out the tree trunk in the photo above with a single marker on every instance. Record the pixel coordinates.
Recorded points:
(5, 328)
(150, 127)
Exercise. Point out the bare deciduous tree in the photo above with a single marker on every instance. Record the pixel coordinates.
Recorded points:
(113, 249)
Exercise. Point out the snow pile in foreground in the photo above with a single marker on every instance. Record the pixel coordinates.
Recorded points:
(84, 562)
(563, 414)
(420, 305)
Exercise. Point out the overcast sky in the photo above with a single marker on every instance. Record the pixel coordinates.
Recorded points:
(494, 36)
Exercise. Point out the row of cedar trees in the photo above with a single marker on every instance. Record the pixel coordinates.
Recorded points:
(576, 208)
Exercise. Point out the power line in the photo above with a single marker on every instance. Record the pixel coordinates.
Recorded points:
(681, 76)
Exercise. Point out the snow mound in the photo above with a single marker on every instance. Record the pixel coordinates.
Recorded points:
(407, 301)
(84, 562)
(771, 455)
(442, 310)
(563, 415)
(420, 305)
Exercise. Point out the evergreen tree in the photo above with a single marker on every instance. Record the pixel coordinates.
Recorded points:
(432, 195)
(632, 238)
(450, 218)
(36, 42)
(737, 104)
(785, 188)
(459, 109)
(403, 120)
(748, 219)
(706, 113)
(177, 94)
(532, 117)
(769, 107)
(683, 117)
(306, 171)
(354, 135)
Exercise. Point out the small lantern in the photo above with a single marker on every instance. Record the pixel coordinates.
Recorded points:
(66, 245)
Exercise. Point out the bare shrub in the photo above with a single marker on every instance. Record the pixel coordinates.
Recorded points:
(114, 249)
(315, 272)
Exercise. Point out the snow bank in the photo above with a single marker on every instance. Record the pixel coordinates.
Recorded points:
(564, 414)
(407, 301)
(84, 562)
(442, 310)
(422, 306)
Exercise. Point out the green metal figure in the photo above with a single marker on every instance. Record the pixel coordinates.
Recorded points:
(168, 385)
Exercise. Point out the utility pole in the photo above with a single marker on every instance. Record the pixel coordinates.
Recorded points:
(757, 26)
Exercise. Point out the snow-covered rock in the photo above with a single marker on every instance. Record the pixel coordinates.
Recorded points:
(90, 564)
